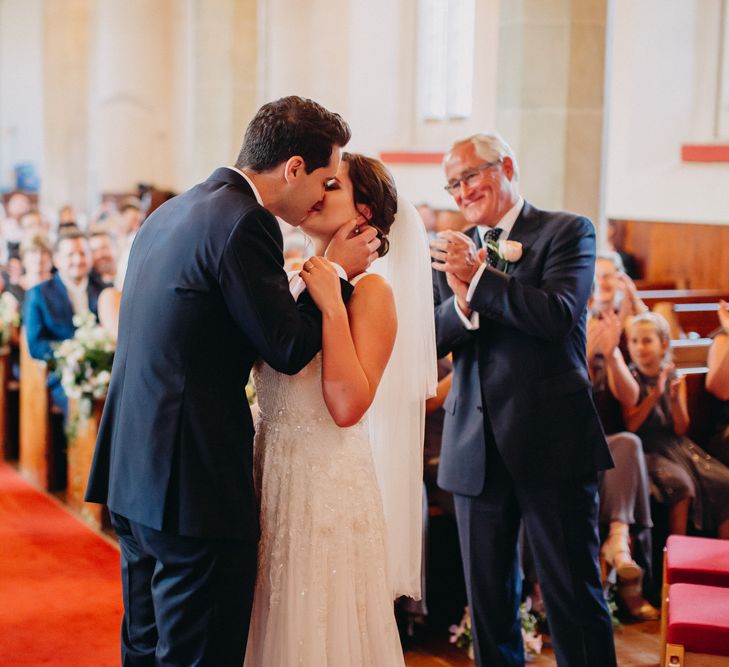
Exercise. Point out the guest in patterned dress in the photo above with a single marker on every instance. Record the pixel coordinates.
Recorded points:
(688, 479)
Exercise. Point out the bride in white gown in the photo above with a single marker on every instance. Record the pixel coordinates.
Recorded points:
(332, 556)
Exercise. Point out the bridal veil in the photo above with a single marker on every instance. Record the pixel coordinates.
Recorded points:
(397, 415)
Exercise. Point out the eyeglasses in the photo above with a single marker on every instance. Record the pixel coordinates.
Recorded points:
(468, 177)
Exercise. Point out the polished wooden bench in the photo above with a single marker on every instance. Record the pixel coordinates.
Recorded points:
(80, 453)
(697, 318)
(690, 352)
(702, 406)
(675, 296)
(37, 458)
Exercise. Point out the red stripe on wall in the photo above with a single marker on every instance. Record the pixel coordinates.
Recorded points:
(705, 152)
(411, 157)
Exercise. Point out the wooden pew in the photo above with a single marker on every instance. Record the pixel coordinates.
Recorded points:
(36, 453)
(697, 318)
(81, 444)
(688, 352)
(651, 297)
(643, 284)
(702, 406)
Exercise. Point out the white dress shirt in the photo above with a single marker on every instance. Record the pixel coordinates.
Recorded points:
(78, 295)
(505, 225)
(296, 283)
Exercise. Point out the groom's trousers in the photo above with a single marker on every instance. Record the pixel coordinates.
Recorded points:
(187, 601)
(560, 521)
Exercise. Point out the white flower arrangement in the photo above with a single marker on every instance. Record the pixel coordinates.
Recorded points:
(9, 317)
(461, 634)
(84, 362)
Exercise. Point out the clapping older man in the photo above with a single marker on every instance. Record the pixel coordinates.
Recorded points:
(522, 440)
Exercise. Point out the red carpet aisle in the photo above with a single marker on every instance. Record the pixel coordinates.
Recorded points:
(60, 589)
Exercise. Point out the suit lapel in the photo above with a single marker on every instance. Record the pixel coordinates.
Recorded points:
(525, 231)
(63, 301)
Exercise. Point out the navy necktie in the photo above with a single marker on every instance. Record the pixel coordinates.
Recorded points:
(491, 234)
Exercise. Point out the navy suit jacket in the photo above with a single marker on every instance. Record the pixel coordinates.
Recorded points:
(48, 314)
(525, 366)
(205, 296)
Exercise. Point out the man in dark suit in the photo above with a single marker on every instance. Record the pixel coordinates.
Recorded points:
(521, 440)
(50, 306)
(205, 295)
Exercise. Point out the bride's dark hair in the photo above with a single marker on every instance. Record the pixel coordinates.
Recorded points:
(373, 186)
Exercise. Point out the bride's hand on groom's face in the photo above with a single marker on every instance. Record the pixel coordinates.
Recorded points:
(322, 281)
(354, 246)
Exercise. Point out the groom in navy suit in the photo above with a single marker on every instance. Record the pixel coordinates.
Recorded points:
(521, 441)
(205, 295)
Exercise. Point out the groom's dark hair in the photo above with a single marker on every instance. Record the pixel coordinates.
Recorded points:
(292, 126)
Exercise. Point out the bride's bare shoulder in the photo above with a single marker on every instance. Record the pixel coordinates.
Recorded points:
(372, 291)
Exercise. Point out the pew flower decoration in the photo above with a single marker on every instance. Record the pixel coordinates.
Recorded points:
(461, 634)
(84, 362)
(9, 318)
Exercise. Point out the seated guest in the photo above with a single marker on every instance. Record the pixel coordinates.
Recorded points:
(624, 490)
(615, 244)
(37, 262)
(614, 291)
(67, 216)
(717, 382)
(11, 232)
(108, 307)
(50, 306)
(130, 220)
(12, 272)
(687, 477)
(33, 224)
(429, 218)
(103, 257)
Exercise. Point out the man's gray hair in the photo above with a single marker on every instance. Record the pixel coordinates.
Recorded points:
(612, 256)
(491, 147)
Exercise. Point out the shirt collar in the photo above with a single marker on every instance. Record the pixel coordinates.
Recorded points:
(250, 182)
(507, 222)
(72, 287)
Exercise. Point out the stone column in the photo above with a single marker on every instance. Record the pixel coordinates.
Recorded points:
(65, 105)
(133, 59)
(551, 99)
(222, 82)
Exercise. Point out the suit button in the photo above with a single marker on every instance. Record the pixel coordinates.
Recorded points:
(479, 408)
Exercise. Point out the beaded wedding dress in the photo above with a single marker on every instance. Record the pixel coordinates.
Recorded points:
(322, 595)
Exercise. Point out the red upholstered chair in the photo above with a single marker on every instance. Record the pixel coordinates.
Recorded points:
(697, 626)
(692, 560)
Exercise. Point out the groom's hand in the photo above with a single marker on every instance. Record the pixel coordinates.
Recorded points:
(354, 247)
(455, 253)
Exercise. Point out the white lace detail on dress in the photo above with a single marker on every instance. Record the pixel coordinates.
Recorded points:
(321, 596)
